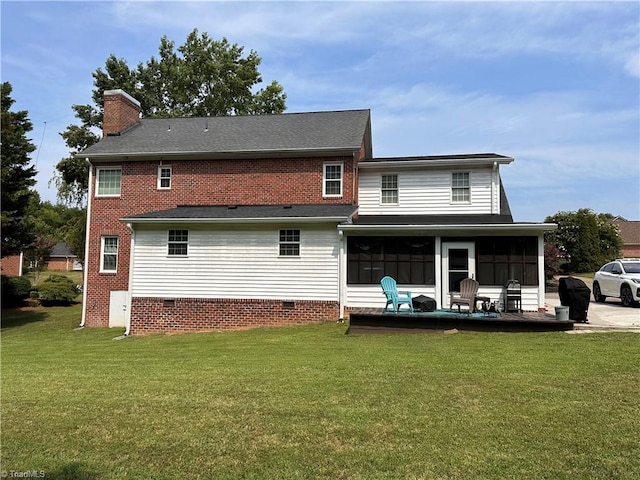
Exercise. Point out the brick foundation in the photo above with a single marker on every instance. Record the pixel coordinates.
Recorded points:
(169, 315)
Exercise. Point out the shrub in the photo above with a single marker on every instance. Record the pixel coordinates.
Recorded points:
(57, 289)
(14, 290)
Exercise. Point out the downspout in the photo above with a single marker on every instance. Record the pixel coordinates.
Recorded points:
(541, 274)
(341, 276)
(495, 189)
(131, 263)
(85, 276)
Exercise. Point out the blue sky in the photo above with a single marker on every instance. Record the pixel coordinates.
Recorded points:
(554, 85)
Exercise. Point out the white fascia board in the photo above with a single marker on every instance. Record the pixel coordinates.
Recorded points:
(493, 228)
(444, 162)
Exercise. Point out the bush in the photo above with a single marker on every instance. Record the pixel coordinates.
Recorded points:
(57, 289)
(14, 290)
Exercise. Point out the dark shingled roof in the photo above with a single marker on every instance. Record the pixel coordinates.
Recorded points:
(61, 250)
(240, 212)
(241, 134)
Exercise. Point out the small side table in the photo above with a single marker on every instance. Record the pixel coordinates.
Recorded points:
(480, 299)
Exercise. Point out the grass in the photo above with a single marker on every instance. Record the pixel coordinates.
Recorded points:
(312, 402)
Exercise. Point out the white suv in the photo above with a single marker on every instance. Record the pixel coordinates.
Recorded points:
(620, 278)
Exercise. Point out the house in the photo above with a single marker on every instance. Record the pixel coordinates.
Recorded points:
(630, 235)
(231, 222)
(11, 265)
(61, 259)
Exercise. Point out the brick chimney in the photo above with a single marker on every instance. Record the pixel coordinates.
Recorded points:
(121, 111)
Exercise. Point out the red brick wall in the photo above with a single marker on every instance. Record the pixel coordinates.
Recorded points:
(119, 114)
(631, 251)
(60, 264)
(201, 182)
(151, 315)
(11, 265)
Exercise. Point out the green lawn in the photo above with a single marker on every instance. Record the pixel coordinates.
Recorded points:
(312, 402)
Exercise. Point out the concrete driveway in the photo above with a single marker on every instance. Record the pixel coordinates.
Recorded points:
(608, 316)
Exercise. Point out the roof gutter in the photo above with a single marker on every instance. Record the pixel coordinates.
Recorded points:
(293, 152)
(236, 221)
(478, 228)
(398, 164)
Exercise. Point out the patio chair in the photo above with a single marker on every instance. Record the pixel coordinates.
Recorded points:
(466, 295)
(394, 297)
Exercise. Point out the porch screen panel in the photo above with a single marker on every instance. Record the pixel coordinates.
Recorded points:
(410, 260)
(504, 258)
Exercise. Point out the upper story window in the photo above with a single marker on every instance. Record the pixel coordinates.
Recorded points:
(290, 243)
(332, 180)
(164, 177)
(108, 181)
(460, 187)
(178, 243)
(109, 254)
(390, 189)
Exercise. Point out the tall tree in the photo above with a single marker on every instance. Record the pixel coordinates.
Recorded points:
(586, 239)
(59, 223)
(17, 175)
(200, 78)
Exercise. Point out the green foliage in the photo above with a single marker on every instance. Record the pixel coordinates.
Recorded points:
(199, 78)
(586, 240)
(75, 234)
(17, 175)
(58, 223)
(58, 289)
(552, 256)
(14, 290)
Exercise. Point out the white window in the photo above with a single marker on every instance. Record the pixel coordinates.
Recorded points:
(109, 254)
(332, 179)
(390, 189)
(178, 242)
(290, 243)
(108, 182)
(164, 177)
(460, 187)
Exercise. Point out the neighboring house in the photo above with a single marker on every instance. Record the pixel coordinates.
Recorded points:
(230, 222)
(62, 259)
(12, 265)
(630, 235)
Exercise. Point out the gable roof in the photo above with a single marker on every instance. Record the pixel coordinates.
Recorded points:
(61, 249)
(290, 134)
(246, 213)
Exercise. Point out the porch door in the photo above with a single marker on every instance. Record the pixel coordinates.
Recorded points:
(458, 263)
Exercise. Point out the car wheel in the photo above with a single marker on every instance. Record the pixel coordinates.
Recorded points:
(626, 296)
(597, 293)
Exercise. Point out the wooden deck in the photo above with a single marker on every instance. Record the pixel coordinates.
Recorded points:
(376, 320)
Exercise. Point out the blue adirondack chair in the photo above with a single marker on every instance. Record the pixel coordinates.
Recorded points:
(394, 297)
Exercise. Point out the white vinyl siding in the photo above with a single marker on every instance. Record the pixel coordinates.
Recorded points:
(426, 192)
(237, 263)
(371, 296)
